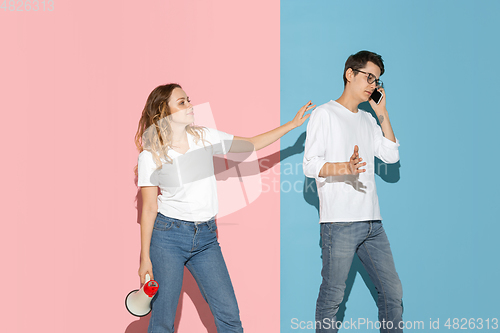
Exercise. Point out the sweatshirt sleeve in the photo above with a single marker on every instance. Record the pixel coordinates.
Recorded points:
(315, 149)
(385, 149)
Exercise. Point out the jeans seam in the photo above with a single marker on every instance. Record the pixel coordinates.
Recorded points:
(196, 231)
(380, 281)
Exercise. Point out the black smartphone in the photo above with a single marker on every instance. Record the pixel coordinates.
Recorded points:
(376, 96)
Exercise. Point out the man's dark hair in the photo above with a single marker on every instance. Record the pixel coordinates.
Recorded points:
(359, 60)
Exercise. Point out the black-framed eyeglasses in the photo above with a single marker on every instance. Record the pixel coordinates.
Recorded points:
(371, 78)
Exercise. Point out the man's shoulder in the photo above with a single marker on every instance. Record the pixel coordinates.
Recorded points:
(328, 108)
(330, 105)
(367, 115)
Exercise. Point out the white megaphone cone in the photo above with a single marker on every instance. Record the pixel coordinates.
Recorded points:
(138, 302)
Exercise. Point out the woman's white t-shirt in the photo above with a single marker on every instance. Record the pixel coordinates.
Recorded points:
(188, 186)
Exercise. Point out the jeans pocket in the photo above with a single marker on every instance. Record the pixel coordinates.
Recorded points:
(212, 226)
(162, 224)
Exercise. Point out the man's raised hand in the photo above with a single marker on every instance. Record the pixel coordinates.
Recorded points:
(355, 163)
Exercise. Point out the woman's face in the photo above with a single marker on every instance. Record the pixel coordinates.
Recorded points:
(180, 107)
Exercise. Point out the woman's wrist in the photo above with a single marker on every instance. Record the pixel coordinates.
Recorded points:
(289, 125)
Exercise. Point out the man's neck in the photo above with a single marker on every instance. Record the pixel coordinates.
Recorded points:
(349, 102)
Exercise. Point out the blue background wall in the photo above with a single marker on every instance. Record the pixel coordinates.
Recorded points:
(440, 204)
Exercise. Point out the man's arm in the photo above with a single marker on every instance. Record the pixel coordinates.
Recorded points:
(383, 117)
(344, 168)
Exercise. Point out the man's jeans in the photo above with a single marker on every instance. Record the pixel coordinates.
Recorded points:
(176, 243)
(340, 240)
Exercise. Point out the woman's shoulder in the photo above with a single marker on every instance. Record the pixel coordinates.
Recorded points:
(208, 133)
(145, 153)
(146, 156)
(206, 130)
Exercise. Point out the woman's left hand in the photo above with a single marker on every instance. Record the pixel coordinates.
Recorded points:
(300, 117)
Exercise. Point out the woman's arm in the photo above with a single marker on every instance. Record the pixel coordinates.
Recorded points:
(241, 144)
(148, 217)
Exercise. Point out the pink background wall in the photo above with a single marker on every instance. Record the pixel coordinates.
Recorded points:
(73, 84)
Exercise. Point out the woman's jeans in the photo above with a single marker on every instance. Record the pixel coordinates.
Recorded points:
(175, 244)
(340, 240)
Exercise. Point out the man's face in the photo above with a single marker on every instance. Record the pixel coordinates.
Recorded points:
(359, 85)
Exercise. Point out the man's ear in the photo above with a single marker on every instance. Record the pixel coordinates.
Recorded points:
(349, 74)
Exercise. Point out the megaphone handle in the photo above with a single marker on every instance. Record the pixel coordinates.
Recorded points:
(147, 278)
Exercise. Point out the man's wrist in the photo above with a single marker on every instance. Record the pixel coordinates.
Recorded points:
(342, 169)
(382, 111)
(382, 115)
(347, 168)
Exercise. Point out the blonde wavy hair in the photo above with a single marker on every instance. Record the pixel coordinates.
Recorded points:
(154, 132)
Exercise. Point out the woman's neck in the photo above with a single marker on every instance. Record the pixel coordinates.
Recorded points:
(179, 134)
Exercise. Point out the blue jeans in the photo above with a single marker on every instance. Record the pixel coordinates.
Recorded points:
(340, 240)
(175, 244)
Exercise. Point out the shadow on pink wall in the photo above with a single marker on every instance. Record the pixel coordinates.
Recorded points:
(191, 290)
(189, 285)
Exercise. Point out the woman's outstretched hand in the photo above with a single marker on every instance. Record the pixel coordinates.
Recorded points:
(300, 117)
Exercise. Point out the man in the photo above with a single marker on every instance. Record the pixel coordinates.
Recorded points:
(349, 210)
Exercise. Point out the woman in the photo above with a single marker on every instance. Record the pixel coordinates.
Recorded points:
(178, 226)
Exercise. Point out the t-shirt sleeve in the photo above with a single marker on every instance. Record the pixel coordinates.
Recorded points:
(221, 141)
(147, 170)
